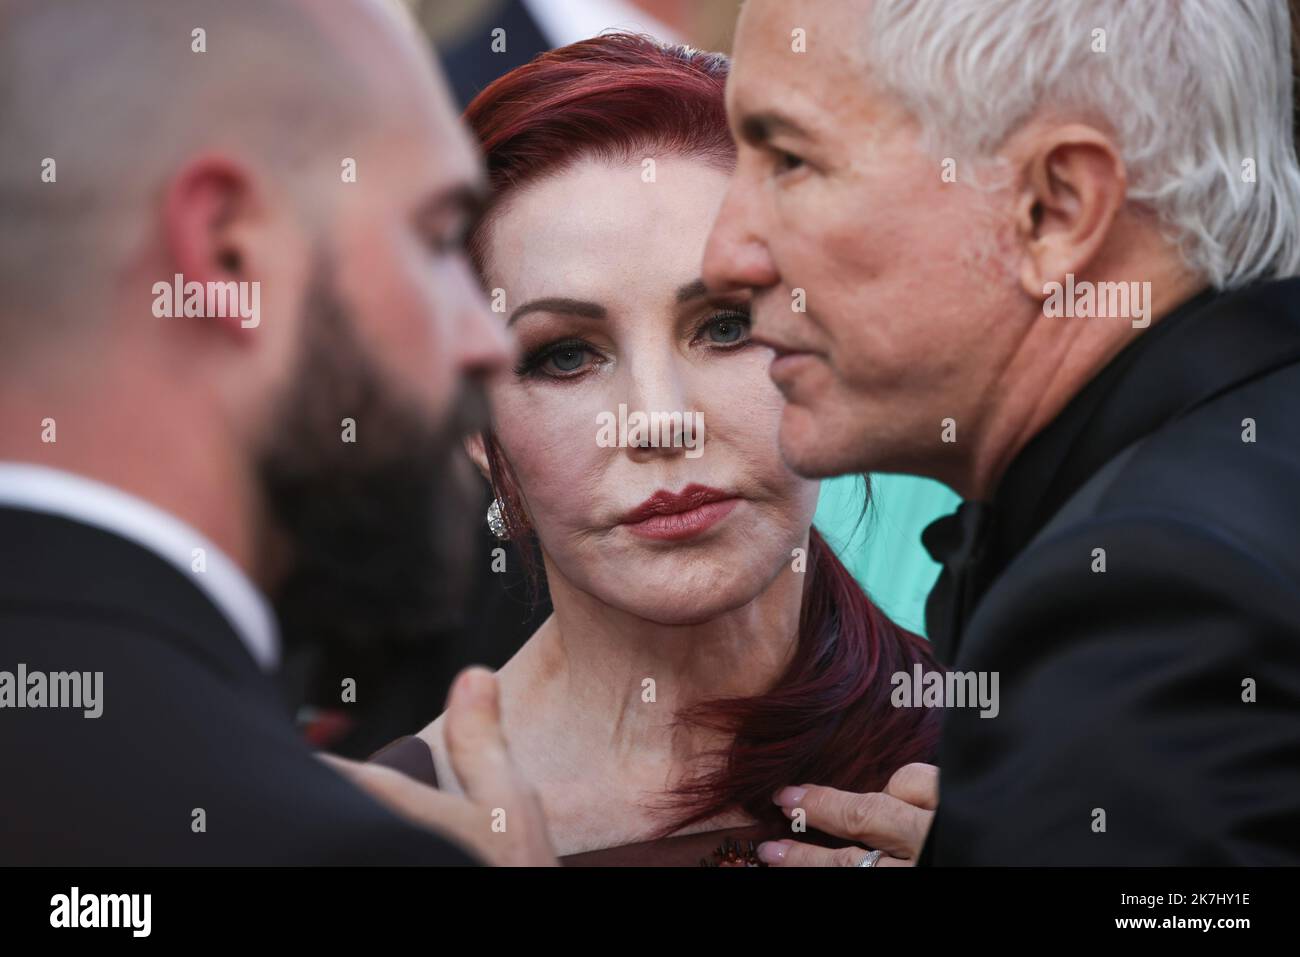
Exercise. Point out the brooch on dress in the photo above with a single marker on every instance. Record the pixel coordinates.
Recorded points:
(731, 853)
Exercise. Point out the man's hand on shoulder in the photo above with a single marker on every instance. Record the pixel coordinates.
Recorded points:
(500, 817)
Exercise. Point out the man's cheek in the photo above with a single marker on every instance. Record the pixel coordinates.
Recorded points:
(423, 367)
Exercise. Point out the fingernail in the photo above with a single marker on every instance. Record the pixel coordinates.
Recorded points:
(789, 797)
(474, 680)
(462, 689)
(772, 852)
(457, 686)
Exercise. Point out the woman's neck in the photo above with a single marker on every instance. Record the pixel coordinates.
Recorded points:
(590, 706)
(601, 687)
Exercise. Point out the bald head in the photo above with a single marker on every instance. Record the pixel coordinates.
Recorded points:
(299, 156)
(102, 102)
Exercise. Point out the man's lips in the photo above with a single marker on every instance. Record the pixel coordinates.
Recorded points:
(785, 367)
(668, 515)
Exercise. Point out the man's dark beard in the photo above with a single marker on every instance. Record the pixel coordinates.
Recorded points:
(376, 531)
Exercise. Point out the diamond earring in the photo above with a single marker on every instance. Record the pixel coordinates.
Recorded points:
(496, 523)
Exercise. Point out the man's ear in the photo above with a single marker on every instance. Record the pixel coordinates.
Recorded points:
(477, 452)
(1073, 186)
(207, 209)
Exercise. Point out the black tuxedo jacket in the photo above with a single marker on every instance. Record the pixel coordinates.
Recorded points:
(1150, 712)
(190, 722)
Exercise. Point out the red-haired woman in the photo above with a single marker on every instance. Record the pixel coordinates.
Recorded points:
(706, 647)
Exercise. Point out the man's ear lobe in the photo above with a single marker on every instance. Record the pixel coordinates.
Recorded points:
(1074, 187)
(477, 452)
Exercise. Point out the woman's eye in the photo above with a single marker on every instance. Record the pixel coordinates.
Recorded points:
(564, 360)
(727, 329)
(568, 359)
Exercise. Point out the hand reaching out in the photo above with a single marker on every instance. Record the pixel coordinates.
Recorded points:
(495, 794)
(894, 821)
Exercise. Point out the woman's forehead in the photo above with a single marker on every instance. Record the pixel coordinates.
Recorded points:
(606, 229)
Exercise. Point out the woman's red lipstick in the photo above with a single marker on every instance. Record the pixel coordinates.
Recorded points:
(671, 517)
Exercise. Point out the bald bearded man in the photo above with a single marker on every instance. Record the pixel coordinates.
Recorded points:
(163, 469)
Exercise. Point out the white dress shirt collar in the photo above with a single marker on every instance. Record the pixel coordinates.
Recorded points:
(38, 488)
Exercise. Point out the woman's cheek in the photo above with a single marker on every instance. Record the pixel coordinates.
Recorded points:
(743, 408)
(746, 412)
(552, 452)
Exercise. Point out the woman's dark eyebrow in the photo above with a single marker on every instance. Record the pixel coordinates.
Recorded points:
(582, 308)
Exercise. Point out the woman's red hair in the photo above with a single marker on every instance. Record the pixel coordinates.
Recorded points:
(828, 718)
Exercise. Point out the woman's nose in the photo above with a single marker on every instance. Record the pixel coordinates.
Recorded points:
(660, 419)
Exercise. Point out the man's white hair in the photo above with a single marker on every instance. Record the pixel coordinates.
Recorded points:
(1197, 94)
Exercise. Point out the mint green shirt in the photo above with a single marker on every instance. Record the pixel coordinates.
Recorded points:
(884, 550)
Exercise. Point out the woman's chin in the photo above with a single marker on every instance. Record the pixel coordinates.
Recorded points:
(683, 603)
(682, 617)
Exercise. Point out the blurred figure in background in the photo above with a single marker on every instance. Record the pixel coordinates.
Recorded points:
(481, 40)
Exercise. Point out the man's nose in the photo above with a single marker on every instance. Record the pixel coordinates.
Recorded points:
(736, 256)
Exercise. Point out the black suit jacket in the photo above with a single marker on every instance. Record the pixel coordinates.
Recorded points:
(189, 722)
(1121, 691)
